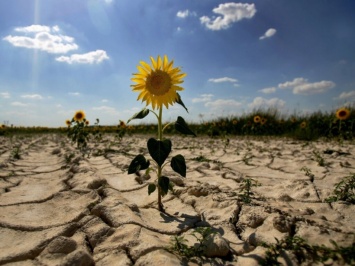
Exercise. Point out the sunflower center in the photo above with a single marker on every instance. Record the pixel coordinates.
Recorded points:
(158, 82)
(342, 113)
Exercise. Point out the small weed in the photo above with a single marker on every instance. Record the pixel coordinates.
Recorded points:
(179, 246)
(308, 173)
(201, 159)
(69, 157)
(305, 252)
(319, 158)
(245, 190)
(15, 154)
(344, 190)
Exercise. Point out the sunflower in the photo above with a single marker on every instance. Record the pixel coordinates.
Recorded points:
(2, 126)
(257, 119)
(342, 113)
(122, 124)
(79, 116)
(87, 122)
(303, 124)
(263, 121)
(158, 85)
(67, 122)
(235, 121)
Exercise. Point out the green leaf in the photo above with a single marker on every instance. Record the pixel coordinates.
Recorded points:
(138, 163)
(140, 115)
(179, 101)
(151, 188)
(163, 183)
(159, 150)
(182, 127)
(178, 164)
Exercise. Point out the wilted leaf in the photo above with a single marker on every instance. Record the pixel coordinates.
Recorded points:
(159, 150)
(182, 127)
(138, 163)
(143, 113)
(179, 101)
(178, 164)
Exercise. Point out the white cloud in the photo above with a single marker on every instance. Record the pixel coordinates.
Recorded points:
(94, 57)
(20, 104)
(33, 28)
(5, 95)
(74, 93)
(32, 96)
(104, 100)
(302, 86)
(223, 104)
(268, 34)
(268, 90)
(203, 98)
(293, 83)
(185, 13)
(230, 13)
(260, 102)
(313, 88)
(224, 79)
(346, 95)
(42, 38)
(106, 109)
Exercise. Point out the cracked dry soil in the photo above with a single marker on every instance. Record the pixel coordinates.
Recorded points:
(89, 211)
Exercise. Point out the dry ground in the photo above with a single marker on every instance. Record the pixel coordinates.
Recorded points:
(89, 211)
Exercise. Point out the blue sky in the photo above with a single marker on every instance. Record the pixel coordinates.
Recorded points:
(61, 56)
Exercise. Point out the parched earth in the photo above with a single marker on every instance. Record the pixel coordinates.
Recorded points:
(60, 208)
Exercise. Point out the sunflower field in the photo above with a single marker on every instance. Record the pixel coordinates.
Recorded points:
(339, 123)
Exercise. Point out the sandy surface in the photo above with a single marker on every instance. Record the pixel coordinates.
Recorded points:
(89, 211)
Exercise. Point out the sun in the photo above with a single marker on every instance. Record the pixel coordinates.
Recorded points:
(79, 116)
(158, 85)
(342, 113)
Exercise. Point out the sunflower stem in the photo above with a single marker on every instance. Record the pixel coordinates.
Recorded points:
(160, 137)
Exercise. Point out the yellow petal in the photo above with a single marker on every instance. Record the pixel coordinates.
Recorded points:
(146, 66)
(165, 62)
(138, 80)
(159, 62)
(154, 63)
(142, 70)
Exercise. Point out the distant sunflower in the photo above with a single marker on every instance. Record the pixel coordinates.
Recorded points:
(79, 116)
(257, 119)
(303, 124)
(67, 122)
(263, 121)
(158, 85)
(343, 113)
(235, 121)
(122, 124)
(2, 126)
(87, 122)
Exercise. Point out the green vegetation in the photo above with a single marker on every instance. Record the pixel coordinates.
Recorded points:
(179, 243)
(257, 123)
(344, 190)
(305, 252)
(245, 189)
